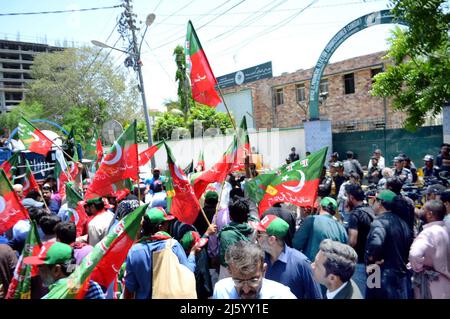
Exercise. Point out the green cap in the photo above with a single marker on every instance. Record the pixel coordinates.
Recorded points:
(96, 200)
(273, 226)
(386, 196)
(190, 238)
(211, 195)
(158, 215)
(51, 253)
(327, 202)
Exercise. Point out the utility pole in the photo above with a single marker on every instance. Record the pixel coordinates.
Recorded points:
(136, 63)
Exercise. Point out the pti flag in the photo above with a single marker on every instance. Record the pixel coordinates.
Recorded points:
(146, 155)
(33, 139)
(105, 260)
(296, 183)
(120, 163)
(199, 71)
(20, 286)
(181, 200)
(11, 209)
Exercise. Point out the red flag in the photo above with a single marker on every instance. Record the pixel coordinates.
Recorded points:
(200, 73)
(33, 139)
(105, 260)
(182, 202)
(243, 145)
(29, 182)
(218, 172)
(11, 209)
(119, 164)
(146, 155)
(296, 183)
(10, 165)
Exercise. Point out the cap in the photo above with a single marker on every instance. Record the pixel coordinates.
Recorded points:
(29, 203)
(158, 215)
(428, 157)
(386, 196)
(374, 157)
(273, 226)
(436, 189)
(211, 195)
(399, 159)
(328, 201)
(51, 253)
(335, 154)
(86, 181)
(46, 187)
(349, 153)
(96, 200)
(191, 238)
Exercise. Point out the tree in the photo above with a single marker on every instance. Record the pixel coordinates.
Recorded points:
(183, 82)
(76, 83)
(418, 79)
(11, 119)
(165, 125)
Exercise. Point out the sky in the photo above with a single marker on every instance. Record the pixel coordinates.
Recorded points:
(235, 34)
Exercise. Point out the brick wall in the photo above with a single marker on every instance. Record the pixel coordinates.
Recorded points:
(338, 106)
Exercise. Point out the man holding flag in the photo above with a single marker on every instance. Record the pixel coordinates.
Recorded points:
(56, 262)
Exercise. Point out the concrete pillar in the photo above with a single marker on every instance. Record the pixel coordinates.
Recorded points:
(318, 135)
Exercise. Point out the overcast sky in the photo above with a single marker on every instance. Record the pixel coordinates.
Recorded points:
(235, 34)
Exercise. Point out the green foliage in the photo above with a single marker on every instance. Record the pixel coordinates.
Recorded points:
(183, 84)
(418, 81)
(207, 115)
(79, 87)
(30, 111)
(165, 125)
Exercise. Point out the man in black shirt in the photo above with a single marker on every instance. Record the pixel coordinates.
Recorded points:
(387, 247)
(361, 216)
(339, 178)
(293, 156)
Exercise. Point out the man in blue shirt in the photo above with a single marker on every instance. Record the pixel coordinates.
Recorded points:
(285, 264)
(246, 265)
(150, 182)
(139, 266)
(316, 228)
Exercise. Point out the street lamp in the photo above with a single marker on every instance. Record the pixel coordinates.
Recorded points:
(135, 56)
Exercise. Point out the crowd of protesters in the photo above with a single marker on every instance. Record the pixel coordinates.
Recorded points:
(373, 241)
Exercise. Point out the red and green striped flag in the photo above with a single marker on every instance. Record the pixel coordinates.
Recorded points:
(104, 262)
(77, 213)
(218, 172)
(181, 199)
(10, 165)
(201, 162)
(296, 183)
(199, 71)
(20, 286)
(243, 145)
(94, 149)
(120, 163)
(146, 155)
(29, 182)
(64, 172)
(33, 139)
(11, 209)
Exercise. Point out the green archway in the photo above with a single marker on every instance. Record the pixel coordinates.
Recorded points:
(361, 23)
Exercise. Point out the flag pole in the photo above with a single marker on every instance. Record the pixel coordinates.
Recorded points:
(226, 107)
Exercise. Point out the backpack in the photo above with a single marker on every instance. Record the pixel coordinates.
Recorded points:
(171, 280)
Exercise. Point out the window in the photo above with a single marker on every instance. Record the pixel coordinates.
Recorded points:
(349, 83)
(374, 72)
(323, 87)
(300, 89)
(279, 97)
